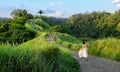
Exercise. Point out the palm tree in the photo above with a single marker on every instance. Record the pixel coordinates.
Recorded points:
(40, 12)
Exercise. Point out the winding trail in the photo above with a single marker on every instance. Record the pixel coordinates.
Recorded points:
(96, 64)
(33, 26)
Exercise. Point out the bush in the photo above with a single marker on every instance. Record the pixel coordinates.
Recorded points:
(107, 48)
(68, 41)
(14, 31)
(28, 59)
(55, 28)
(36, 55)
(75, 47)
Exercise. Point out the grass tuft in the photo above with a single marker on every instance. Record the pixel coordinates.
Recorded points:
(107, 48)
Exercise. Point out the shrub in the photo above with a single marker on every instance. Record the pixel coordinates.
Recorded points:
(75, 47)
(107, 48)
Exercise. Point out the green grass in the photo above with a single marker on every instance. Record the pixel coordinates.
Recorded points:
(42, 23)
(40, 28)
(107, 48)
(28, 26)
(36, 55)
(63, 39)
(68, 41)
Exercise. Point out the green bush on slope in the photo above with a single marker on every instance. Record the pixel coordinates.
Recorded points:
(107, 48)
(68, 41)
(36, 55)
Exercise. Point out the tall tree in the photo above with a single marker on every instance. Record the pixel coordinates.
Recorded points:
(40, 12)
(16, 13)
(19, 13)
(24, 13)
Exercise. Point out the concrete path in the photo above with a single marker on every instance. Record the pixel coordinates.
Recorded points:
(96, 64)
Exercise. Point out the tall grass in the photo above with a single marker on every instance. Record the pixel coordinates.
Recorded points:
(107, 48)
(68, 41)
(36, 55)
(28, 26)
(42, 23)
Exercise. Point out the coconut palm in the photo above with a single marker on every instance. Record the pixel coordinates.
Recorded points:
(40, 12)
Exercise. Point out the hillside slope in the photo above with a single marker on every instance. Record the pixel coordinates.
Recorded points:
(64, 61)
(37, 25)
(40, 26)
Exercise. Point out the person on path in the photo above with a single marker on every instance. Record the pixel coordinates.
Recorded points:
(83, 52)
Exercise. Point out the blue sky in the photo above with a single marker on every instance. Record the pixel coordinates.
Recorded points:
(58, 8)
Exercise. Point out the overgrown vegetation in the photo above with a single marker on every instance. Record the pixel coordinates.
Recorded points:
(36, 55)
(107, 48)
(14, 31)
(68, 41)
(95, 24)
(90, 25)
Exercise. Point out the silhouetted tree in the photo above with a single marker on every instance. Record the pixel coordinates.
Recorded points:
(40, 12)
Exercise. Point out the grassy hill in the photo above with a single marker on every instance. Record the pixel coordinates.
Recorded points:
(65, 40)
(37, 55)
(37, 25)
(29, 26)
(68, 41)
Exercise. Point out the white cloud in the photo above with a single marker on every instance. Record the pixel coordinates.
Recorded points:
(115, 1)
(47, 10)
(51, 12)
(57, 13)
(56, 3)
(118, 5)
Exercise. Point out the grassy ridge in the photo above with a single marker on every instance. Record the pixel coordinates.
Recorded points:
(107, 48)
(38, 24)
(28, 26)
(68, 41)
(42, 23)
(36, 55)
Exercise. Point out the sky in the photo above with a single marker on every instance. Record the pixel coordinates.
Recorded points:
(58, 8)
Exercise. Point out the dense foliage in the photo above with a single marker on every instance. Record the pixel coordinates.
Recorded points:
(87, 25)
(37, 55)
(67, 41)
(13, 30)
(55, 20)
(21, 13)
(107, 48)
(95, 24)
(34, 58)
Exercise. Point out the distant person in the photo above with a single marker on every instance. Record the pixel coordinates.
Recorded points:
(83, 52)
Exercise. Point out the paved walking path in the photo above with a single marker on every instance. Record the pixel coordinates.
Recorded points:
(96, 64)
